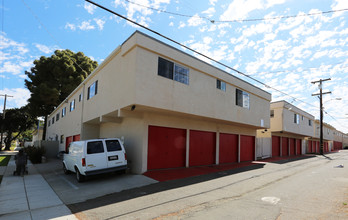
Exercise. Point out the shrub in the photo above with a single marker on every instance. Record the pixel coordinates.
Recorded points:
(35, 153)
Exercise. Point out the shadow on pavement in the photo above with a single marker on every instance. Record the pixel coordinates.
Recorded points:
(155, 188)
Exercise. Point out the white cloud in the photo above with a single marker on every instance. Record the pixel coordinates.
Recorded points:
(339, 4)
(212, 2)
(90, 8)
(239, 9)
(45, 49)
(100, 23)
(195, 21)
(209, 12)
(70, 26)
(86, 25)
(19, 99)
(171, 24)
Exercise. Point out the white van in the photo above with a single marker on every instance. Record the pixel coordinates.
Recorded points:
(95, 156)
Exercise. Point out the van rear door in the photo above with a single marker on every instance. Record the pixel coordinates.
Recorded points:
(95, 156)
(115, 153)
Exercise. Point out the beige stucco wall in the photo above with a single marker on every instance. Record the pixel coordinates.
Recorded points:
(200, 97)
(134, 130)
(283, 119)
(70, 124)
(327, 131)
(129, 77)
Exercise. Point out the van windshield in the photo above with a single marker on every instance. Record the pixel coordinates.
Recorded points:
(113, 145)
(95, 147)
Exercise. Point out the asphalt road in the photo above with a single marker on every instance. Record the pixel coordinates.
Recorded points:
(307, 188)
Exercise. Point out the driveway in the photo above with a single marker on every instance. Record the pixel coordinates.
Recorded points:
(70, 191)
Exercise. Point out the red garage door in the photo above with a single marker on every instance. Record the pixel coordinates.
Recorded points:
(68, 140)
(166, 148)
(202, 148)
(228, 152)
(275, 146)
(317, 144)
(314, 146)
(298, 147)
(309, 147)
(292, 146)
(247, 148)
(76, 137)
(285, 146)
(326, 147)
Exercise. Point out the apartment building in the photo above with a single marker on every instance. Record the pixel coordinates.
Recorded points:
(170, 108)
(290, 127)
(328, 138)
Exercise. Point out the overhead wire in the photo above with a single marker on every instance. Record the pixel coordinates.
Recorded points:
(238, 20)
(201, 54)
(197, 52)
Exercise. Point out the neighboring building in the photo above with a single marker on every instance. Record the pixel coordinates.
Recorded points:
(172, 109)
(37, 135)
(338, 140)
(328, 138)
(290, 127)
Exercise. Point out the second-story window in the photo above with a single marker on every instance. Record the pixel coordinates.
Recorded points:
(72, 105)
(92, 90)
(296, 118)
(242, 99)
(309, 122)
(80, 97)
(220, 85)
(272, 114)
(173, 71)
(63, 112)
(53, 120)
(57, 117)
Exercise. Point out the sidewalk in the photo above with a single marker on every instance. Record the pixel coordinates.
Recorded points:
(29, 197)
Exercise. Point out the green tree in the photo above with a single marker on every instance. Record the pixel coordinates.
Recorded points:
(52, 79)
(16, 121)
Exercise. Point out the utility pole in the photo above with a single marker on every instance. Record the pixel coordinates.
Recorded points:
(3, 117)
(321, 110)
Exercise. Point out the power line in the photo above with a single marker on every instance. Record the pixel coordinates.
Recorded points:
(196, 52)
(237, 20)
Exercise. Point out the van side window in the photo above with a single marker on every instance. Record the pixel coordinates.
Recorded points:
(113, 145)
(95, 147)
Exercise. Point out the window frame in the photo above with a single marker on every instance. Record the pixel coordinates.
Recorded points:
(94, 86)
(296, 118)
(63, 112)
(72, 105)
(242, 99)
(221, 85)
(174, 71)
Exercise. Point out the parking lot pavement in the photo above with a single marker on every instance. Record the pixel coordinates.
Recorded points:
(70, 191)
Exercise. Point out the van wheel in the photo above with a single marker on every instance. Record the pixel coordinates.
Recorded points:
(79, 177)
(66, 171)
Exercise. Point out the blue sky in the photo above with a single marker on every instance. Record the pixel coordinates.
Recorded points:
(286, 53)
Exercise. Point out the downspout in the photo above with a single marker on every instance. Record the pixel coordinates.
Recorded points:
(83, 105)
